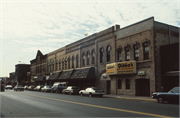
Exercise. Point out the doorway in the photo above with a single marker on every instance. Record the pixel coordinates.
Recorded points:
(142, 87)
(108, 87)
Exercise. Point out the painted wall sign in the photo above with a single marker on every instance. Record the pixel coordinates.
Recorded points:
(111, 69)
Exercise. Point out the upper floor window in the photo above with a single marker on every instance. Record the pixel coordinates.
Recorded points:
(108, 53)
(72, 61)
(146, 50)
(127, 84)
(69, 63)
(59, 64)
(63, 64)
(101, 55)
(136, 52)
(93, 56)
(127, 53)
(53, 66)
(83, 59)
(77, 61)
(88, 58)
(119, 51)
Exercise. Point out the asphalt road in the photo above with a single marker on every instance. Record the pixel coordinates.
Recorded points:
(40, 104)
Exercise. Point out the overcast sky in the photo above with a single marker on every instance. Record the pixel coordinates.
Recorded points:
(46, 25)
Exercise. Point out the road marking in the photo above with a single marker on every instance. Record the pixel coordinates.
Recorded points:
(110, 108)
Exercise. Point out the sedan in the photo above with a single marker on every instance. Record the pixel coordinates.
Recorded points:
(71, 90)
(171, 96)
(31, 88)
(46, 89)
(9, 87)
(92, 91)
(18, 88)
(38, 88)
(25, 87)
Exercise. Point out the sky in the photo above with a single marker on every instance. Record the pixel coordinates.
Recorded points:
(47, 25)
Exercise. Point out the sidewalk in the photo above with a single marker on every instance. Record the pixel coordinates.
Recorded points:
(130, 97)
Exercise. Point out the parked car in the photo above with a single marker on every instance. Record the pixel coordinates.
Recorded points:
(58, 87)
(46, 89)
(18, 88)
(2, 85)
(9, 87)
(38, 88)
(171, 96)
(71, 90)
(26, 87)
(31, 88)
(92, 91)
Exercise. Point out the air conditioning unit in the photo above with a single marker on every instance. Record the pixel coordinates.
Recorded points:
(141, 73)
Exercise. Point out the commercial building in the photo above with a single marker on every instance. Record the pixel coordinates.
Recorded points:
(118, 60)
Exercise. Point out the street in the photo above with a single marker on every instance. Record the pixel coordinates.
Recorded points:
(41, 104)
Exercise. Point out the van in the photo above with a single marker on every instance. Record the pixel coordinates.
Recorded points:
(58, 87)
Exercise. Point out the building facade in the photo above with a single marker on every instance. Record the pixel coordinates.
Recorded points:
(138, 43)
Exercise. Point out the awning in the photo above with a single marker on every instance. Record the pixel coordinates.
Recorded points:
(172, 73)
(104, 76)
(54, 76)
(84, 73)
(39, 77)
(66, 74)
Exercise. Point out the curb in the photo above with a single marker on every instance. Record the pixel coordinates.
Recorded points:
(136, 99)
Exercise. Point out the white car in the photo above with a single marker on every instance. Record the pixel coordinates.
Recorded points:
(46, 89)
(9, 87)
(92, 91)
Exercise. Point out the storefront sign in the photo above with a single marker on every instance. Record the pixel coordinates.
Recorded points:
(111, 69)
(128, 67)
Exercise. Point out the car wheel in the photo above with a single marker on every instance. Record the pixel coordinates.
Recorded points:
(160, 100)
(90, 94)
(81, 94)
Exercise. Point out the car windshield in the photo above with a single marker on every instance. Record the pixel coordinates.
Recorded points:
(47, 87)
(174, 90)
(95, 89)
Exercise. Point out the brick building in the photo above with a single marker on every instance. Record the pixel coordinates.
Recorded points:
(84, 62)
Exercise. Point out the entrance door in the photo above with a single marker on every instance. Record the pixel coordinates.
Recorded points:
(142, 87)
(108, 87)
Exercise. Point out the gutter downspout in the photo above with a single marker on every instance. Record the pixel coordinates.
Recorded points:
(169, 35)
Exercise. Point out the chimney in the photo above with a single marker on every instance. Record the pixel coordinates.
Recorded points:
(116, 27)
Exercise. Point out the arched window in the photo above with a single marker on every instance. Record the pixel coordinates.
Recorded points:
(59, 64)
(127, 53)
(56, 64)
(101, 55)
(146, 50)
(127, 84)
(88, 58)
(83, 59)
(108, 53)
(136, 52)
(53, 66)
(119, 84)
(72, 61)
(77, 61)
(66, 63)
(93, 56)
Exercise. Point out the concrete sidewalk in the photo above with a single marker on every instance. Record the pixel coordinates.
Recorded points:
(130, 97)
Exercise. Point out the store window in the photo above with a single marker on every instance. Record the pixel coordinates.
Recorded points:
(146, 50)
(77, 61)
(88, 58)
(72, 61)
(119, 51)
(127, 84)
(136, 52)
(127, 53)
(101, 55)
(93, 56)
(108, 53)
(119, 84)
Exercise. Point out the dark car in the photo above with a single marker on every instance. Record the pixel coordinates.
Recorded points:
(171, 96)
(71, 90)
(18, 88)
(55, 89)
